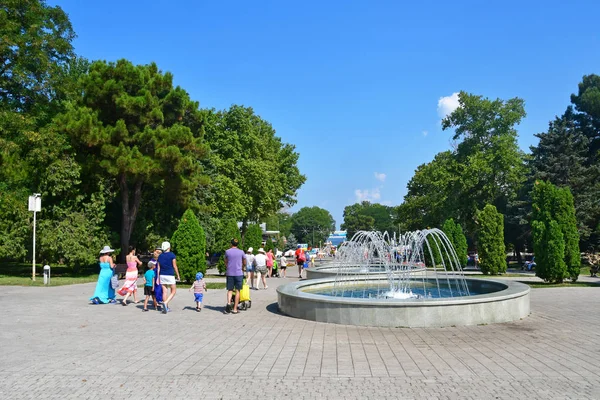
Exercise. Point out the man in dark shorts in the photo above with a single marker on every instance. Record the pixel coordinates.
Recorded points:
(235, 262)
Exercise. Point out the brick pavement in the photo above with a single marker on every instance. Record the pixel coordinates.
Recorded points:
(56, 345)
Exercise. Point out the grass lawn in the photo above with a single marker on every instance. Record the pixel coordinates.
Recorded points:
(19, 274)
(564, 284)
(216, 285)
(7, 280)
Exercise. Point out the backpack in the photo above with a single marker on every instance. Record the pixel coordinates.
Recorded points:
(302, 257)
(114, 281)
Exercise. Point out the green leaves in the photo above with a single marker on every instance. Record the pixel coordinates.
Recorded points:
(312, 225)
(555, 233)
(255, 173)
(189, 245)
(456, 236)
(366, 216)
(490, 236)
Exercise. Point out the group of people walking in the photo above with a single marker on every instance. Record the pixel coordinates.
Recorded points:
(159, 280)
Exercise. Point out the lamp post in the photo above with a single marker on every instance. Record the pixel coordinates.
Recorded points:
(35, 205)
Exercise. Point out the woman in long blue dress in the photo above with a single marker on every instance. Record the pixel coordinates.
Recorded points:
(104, 292)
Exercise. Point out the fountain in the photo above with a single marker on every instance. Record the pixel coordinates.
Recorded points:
(415, 280)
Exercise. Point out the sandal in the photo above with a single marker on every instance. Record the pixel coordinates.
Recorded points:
(145, 309)
(235, 312)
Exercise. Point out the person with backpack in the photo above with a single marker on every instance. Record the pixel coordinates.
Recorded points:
(300, 259)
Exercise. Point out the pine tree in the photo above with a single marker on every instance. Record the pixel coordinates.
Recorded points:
(189, 245)
(563, 157)
(292, 242)
(490, 234)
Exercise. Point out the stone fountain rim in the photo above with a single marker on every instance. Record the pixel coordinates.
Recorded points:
(510, 290)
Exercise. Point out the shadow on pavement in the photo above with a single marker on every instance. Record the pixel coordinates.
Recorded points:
(274, 308)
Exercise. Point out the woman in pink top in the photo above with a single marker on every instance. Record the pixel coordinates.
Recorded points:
(270, 258)
(131, 277)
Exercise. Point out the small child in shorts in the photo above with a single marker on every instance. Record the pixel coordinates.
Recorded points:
(199, 287)
(149, 286)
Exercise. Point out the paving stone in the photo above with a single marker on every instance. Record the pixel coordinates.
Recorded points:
(55, 345)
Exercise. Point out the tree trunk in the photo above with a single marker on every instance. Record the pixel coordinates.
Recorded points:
(128, 213)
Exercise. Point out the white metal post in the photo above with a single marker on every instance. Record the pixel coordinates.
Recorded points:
(33, 264)
(35, 205)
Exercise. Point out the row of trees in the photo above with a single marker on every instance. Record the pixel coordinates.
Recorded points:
(486, 166)
(119, 152)
(492, 189)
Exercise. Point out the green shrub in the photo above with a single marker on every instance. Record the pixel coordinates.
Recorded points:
(458, 239)
(490, 235)
(553, 209)
(549, 247)
(189, 245)
(253, 237)
(227, 229)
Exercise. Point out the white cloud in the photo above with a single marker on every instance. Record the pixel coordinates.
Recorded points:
(380, 176)
(447, 104)
(367, 195)
(425, 133)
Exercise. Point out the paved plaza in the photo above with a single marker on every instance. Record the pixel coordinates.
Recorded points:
(56, 345)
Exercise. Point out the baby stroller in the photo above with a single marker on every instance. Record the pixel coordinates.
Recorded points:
(245, 302)
(275, 270)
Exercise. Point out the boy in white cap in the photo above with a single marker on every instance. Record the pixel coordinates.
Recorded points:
(167, 268)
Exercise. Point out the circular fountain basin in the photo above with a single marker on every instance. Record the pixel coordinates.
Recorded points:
(332, 270)
(499, 301)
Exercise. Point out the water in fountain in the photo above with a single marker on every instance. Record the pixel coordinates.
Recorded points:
(419, 264)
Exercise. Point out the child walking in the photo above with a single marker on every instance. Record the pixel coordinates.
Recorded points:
(199, 287)
(149, 282)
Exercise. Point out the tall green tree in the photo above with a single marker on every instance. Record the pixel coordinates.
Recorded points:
(562, 157)
(490, 163)
(555, 233)
(368, 216)
(35, 45)
(312, 225)
(457, 237)
(131, 124)
(432, 193)
(255, 173)
(490, 236)
(35, 51)
(189, 244)
(253, 237)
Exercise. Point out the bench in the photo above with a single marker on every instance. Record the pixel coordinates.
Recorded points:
(120, 270)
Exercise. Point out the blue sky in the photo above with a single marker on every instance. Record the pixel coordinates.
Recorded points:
(355, 85)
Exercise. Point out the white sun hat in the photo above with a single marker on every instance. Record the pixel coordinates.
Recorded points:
(165, 246)
(106, 249)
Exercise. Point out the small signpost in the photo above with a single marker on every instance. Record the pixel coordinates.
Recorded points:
(35, 205)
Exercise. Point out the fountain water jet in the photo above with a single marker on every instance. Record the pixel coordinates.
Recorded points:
(416, 281)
